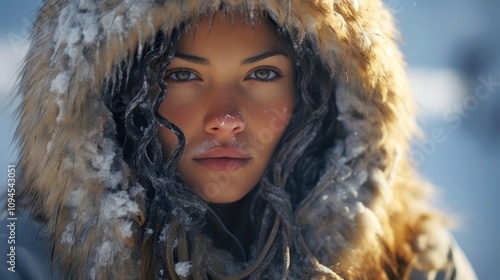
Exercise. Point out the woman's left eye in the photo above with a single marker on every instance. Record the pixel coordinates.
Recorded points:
(263, 74)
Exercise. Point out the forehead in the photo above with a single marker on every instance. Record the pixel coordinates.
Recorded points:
(223, 31)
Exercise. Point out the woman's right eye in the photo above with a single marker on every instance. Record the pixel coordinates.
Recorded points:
(182, 76)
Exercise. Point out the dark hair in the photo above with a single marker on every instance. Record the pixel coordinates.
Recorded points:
(133, 96)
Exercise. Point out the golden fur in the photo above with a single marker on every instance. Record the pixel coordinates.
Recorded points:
(63, 125)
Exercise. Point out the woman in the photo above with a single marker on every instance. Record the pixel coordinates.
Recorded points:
(225, 140)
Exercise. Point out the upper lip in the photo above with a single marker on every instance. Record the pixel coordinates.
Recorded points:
(223, 152)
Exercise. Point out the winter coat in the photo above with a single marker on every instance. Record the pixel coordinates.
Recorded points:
(363, 217)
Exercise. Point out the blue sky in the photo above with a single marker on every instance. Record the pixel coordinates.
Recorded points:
(15, 21)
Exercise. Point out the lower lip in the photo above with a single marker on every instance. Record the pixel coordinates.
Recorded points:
(223, 164)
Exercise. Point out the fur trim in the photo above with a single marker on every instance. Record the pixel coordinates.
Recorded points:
(77, 180)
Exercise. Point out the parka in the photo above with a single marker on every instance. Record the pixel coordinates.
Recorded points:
(346, 203)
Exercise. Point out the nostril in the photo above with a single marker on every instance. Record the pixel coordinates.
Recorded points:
(227, 123)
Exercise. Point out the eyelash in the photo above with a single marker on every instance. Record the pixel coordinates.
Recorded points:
(192, 76)
(276, 73)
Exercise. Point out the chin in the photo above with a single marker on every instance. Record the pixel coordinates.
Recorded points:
(213, 194)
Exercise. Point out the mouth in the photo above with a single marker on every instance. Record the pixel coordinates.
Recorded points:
(223, 159)
(223, 164)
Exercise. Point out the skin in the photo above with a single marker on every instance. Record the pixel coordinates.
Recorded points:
(231, 88)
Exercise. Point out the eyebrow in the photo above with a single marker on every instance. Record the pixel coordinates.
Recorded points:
(193, 58)
(253, 59)
(263, 56)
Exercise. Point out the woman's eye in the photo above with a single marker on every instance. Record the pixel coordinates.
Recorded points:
(183, 76)
(263, 74)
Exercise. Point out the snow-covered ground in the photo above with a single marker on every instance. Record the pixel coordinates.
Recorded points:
(448, 45)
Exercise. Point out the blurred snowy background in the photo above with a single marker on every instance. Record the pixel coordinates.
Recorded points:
(452, 48)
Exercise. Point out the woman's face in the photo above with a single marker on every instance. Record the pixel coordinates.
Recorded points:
(231, 91)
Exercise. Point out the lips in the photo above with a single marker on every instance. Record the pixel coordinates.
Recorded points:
(223, 159)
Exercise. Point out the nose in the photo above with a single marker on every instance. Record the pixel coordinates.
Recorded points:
(225, 122)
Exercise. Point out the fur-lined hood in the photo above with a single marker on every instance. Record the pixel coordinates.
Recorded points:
(77, 181)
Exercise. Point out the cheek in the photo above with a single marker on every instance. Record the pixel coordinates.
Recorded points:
(271, 121)
(183, 116)
(278, 115)
(179, 116)
(167, 139)
(267, 128)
